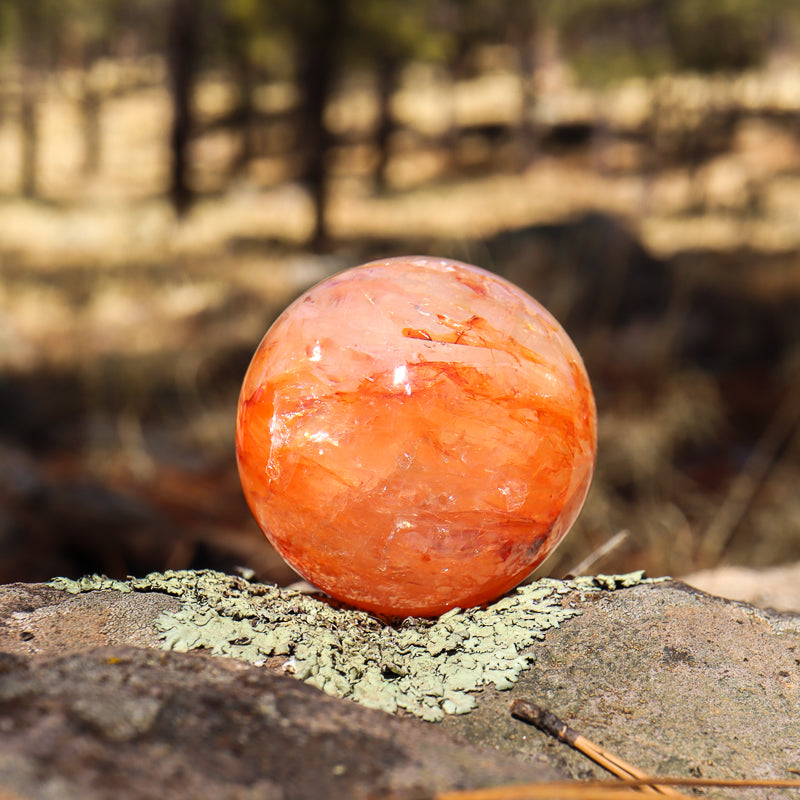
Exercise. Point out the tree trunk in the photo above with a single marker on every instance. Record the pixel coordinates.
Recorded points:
(90, 107)
(246, 80)
(317, 69)
(527, 41)
(387, 83)
(31, 33)
(182, 54)
(29, 130)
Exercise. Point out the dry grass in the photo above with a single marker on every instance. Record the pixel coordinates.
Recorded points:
(100, 279)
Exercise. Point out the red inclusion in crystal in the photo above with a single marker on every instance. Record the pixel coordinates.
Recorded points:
(399, 472)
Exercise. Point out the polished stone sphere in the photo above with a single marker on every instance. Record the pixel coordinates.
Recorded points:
(415, 434)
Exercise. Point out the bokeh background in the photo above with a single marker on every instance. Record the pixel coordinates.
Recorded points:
(174, 172)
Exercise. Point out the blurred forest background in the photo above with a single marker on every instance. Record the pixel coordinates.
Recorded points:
(174, 172)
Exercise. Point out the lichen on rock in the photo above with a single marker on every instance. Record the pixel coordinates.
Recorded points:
(426, 667)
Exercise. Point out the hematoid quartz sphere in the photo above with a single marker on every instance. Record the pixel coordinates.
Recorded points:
(415, 434)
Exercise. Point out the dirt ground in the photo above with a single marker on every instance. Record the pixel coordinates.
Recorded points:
(666, 239)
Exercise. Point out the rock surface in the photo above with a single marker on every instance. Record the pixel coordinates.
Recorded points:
(133, 723)
(670, 679)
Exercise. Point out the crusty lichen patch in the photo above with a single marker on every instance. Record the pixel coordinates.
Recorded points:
(428, 668)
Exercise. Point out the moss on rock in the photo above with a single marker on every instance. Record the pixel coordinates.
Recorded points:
(426, 667)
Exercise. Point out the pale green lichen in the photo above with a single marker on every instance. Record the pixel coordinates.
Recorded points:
(428, 668)
(90, 583)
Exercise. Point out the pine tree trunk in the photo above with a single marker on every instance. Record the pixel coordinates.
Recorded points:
(182, 54)
(90, 108)
(245, 112)
(527, 41)
(317, 69)
(31, 32)
(387, 83)
(29, 130)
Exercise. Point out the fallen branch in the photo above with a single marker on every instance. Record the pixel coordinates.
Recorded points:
(551, 724)
(602, 790)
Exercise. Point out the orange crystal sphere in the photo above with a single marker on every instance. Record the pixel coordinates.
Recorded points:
(415, 434)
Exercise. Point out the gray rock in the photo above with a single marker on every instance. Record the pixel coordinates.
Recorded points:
(36, 619)
(134, 723)
(672, 680)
